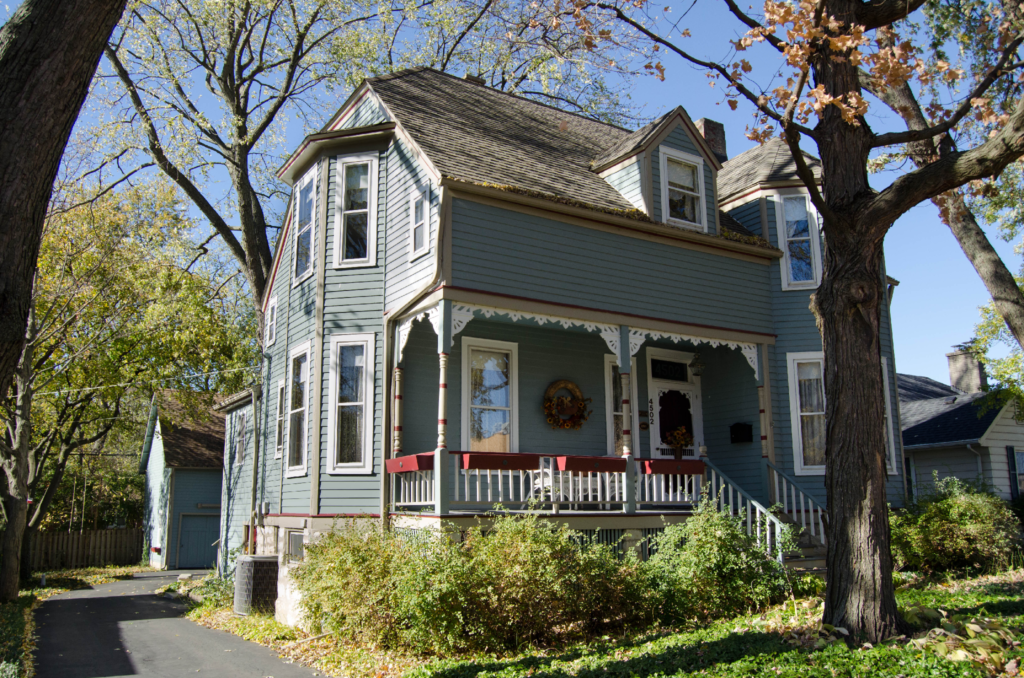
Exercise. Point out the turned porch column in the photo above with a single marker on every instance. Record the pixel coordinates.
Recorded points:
(625, 362)
(444, 346)
(396, 416)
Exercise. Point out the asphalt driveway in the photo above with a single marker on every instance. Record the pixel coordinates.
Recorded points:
(123, 629)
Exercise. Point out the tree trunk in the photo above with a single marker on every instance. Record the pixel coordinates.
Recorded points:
(17, 512)
(26, 549)
(49, 50)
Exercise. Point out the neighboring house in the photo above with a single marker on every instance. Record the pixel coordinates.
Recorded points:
(452, 253)
(959, 430)
(181, 458)
(237, 497)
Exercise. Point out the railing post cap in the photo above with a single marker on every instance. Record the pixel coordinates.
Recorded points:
(703, 450)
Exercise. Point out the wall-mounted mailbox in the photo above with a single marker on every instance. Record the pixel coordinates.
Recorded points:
(741, 433)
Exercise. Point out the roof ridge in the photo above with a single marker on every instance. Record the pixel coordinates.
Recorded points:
(488, 88)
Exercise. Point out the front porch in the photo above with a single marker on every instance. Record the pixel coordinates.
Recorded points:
(692, 422)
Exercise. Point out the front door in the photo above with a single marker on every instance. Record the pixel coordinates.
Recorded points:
(674, 409)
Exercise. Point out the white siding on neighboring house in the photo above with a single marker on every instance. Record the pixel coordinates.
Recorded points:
(1004, 431)
(947, 461)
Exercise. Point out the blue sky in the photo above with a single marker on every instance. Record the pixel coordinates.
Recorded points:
(936, 304)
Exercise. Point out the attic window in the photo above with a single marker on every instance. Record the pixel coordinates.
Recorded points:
(682, 189)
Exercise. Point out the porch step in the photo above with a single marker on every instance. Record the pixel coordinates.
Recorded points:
(806, 564)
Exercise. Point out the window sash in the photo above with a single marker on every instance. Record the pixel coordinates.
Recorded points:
(344, 452)
(272, 321)
(505, 392)
(807, 402)
(796, 276)
(681, 203)
(298, 398)
(347, 212)
(490, 411)
(418, 231)
(240, 439)
(280, 420)
(304, 223)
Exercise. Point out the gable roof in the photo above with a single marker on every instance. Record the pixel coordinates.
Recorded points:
(190, 441)
(631, 143)
(481, 135)
(953, 418)
(913, 388)
(729, 223)
(768, 163)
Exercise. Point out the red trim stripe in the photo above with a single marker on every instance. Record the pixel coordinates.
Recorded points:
(398, 396)
(626, 432)
(398, 428)
(443, 385)
(442, 421)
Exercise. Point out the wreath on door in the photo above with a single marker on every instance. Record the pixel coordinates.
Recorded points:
(566, 411)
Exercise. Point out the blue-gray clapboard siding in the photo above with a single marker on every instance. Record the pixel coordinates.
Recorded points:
(680, 140)
(367, 112)
(237, 484)
(629, 182)
(353, 303)
(796, 332)
(191, 488)
(406, 177)
(507, 252)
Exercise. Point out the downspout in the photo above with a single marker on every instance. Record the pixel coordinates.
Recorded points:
(981, 469)
(444, 215)
(257, 393)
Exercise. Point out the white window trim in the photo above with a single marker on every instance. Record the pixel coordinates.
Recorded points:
(780, 231)
(664, 153)
(307, 348)
(692, 386)
(610, 361)
(271, 337)
(890, 461)
(368, 340)
(282, 414)
(238, 439)
(513, 348)
(794, 411)
(371, 213)
(418, 194)
(309, 176)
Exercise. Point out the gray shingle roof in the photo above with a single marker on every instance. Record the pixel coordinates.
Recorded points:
(731, 224)
(631, 143)
(913, 388)
(190, 441)
(768, 162)
(481, 135)
(949, 419)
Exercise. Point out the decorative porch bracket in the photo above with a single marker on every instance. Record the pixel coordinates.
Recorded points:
(749, 351)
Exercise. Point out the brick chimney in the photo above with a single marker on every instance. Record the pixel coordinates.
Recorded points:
(714, 133)
(966, 373)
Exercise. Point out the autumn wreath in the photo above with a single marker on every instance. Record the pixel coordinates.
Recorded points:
(566, 412)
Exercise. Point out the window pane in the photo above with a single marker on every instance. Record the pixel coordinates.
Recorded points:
(616, 389)
(1020, 461)
(355, 236)
(303, 253)
(297, 435)
(797, 225)
(489, 378)
(418, 210)
(299, 382)
(800, 268)
(488, 430)
(812, 393)
(305, 204)
(813, 436)
(682, 174)
(682, 205)
(350, 374)
(350, 434)
(357, 186)
(417, 237)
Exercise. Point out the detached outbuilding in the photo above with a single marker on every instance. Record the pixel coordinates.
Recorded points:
(182, 458)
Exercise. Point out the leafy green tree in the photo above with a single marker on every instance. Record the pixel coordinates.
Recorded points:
(120, 302)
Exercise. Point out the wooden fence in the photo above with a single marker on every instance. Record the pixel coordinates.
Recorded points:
(59, 550)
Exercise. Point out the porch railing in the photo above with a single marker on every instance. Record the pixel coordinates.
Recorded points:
(412, 480)
(664, 481)
(758, 520)
(801, 508)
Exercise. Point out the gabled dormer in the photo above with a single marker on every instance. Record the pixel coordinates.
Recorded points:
(668, 169)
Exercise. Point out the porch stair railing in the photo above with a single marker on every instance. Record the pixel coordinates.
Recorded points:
(758, 520)
(801, 508)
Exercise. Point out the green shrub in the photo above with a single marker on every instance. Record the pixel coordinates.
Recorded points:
(960, 524)
(710, 567)
(522, 582)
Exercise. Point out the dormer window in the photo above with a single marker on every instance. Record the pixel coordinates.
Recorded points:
(355, 211)
(304, 218)
(682, 189)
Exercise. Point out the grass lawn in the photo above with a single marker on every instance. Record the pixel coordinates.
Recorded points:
(780, 642)
(16, 624)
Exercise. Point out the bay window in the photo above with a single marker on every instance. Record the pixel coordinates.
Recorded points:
(305, 220)
(355, 211)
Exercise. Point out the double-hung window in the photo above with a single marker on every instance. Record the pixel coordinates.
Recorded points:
(271, 321)
(240, 438)
(613, 405)
(355, 211)
(807, 411)
(800, 242)
(350, 436)
(682, 189)
(419, 209)
(489, 395)
(890, 423)
(298, 409)
(1016, 460)
(305, 225)
(281, 397)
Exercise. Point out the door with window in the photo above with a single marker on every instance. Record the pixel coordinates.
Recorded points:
(673, 404)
